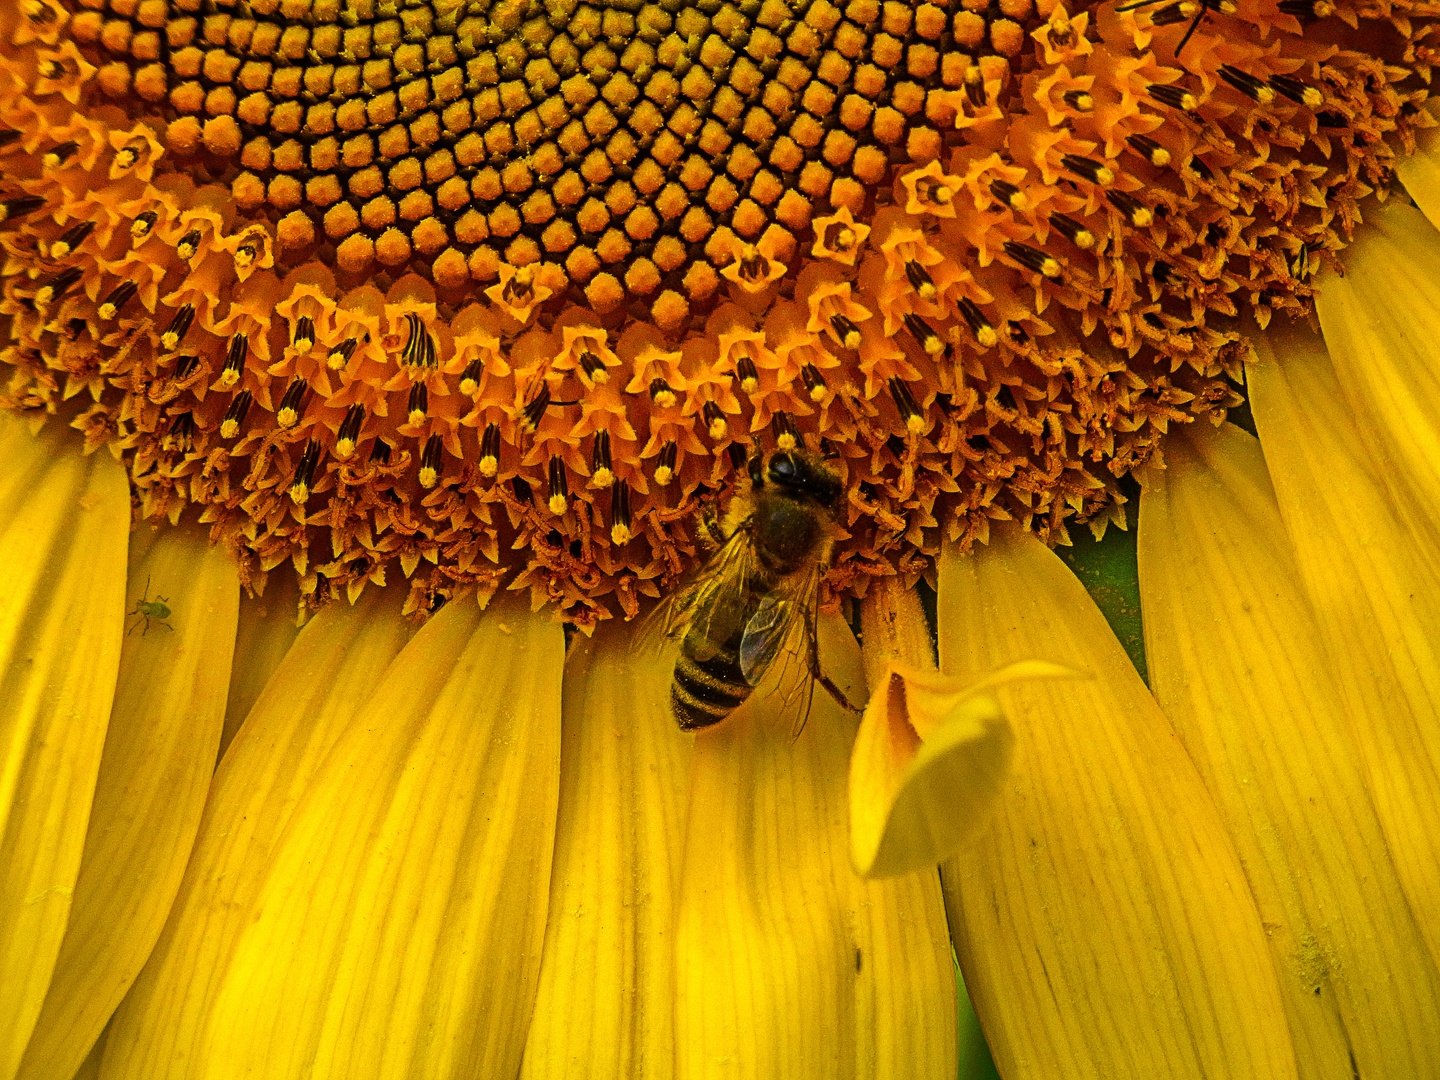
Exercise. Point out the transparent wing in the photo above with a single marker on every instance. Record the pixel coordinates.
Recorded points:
(764, 634)
(786, 636)
(695, 597)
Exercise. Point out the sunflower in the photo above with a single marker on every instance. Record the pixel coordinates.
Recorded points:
(500, 298)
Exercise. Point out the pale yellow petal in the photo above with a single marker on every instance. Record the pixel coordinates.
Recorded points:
(607, 981)
(266, 629)
(154, 774)
(1236, 662)
(931, 756)
(1102, 920)
(398, 929)
(1381, 322)
(329, 673)
(789, 965)
(1375, 589)
(64, 520)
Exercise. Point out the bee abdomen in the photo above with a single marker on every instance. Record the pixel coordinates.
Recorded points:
(704, 692)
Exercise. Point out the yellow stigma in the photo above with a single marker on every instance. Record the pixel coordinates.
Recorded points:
(558, 504)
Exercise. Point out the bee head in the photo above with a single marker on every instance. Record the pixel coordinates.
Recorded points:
(798, 475)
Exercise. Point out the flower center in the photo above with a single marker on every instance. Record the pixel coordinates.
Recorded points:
(511, 290)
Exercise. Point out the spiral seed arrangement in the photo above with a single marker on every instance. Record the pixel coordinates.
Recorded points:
(505, 290)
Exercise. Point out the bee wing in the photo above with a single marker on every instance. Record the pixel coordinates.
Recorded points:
(764, 634)
(783, 631)
(727, 569)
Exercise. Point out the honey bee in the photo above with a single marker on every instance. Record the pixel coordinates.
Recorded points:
(758, 591)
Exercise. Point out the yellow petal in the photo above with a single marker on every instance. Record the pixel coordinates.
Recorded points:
(1381, 322)
(398, 929)
(1102, 919)
(789, 965)
(64, 519)
(1420, 172)
(1375, 589)
(159, 757)
(265, 631)
(332, 669)
(1236, 662)
(931, 755)
(607, 982)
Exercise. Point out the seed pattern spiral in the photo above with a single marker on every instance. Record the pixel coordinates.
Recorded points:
(498, 294)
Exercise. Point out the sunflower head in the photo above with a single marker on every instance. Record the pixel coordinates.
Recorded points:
(512, 289)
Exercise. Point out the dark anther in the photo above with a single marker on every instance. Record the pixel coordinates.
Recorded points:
(976, 321)
(71, 239)
(185, 367)
(380, 452)
(188, 245)
(1330, 119)
(1079, 100)
(19, 206)
(845, 331)
(178, 327)
(736, 453)
(1201, 169)
(620, 514)
(490, 450)
(593, 367)
(118, 298)
(559, 499)
(522, 490)
(181, 435)
(1035, 259)
(1138, 213)
(786, 437)
(600, 459)
(535, 408)
(420, 347)
(235, 415)
(1247, 84)
(419, 403)
(470, 379)
(288, 414)
(1073, 231)
(905, 403)
(746, 373)
(304, 332)
(1296, 90)
(814, 382)
(430, 461)
(55, 286)
(661, 394)
(235, 357)
(349, 433)
(920, 280)
(1097, 172)
(60, 154)
(143, 223)
(714, 420)
(305, 470)
(922, 332)
(1008, 194)
(1150, 150)
(1177, 97)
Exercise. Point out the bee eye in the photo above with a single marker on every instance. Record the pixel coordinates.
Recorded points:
(782, 468)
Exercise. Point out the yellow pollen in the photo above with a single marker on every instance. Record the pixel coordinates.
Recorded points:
(619, 535)
(59, 249)
(228, 378)
(416, 417)
(664, 474)
(229, 429)
(718, 428)
(558, 504)
(299, 493)
(987, 337)
(489, 466)
(1141, 218)
(665, 398)
(344, 448)
(603, 478)
(915, 424)
(817, 393)
(1104, 176)
(288, 417)
(169, 339)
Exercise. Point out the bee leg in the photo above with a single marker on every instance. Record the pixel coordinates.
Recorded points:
(836, 693)
(712, 536)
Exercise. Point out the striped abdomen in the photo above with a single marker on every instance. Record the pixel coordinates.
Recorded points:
(708, 684)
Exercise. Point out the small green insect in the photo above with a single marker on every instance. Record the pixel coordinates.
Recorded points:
(157, 609)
